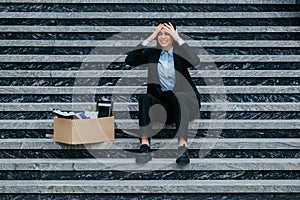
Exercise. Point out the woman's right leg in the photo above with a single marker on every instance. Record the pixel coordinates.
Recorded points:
(146, 103)
(150, 109)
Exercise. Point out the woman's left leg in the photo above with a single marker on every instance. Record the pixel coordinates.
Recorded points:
(180, 107)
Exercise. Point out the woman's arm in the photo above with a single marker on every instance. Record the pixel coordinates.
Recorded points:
(185, 51)
(139, 56)
(189, 55)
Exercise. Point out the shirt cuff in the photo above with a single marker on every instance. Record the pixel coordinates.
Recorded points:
(145, 43)
(181, 42)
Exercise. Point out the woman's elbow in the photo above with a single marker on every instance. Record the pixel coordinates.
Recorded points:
(129, 61)
(195, 61)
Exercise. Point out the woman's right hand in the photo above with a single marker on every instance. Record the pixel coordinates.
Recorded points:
(154, 34)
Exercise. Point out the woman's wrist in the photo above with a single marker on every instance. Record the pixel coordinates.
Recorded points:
(180, 41)
(150, 38)
(145, 42)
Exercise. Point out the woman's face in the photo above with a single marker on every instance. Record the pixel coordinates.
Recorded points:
(165, 39)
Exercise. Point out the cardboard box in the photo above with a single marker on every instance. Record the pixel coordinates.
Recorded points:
(83, 131)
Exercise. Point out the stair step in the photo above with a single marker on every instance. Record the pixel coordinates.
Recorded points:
(197, 124)
(223, 124)
(157, 164)
(143, 73)
(126, 106)
(155, 1)
(146, 15)
(212, 90)
(121, 58)
(133, 43)
(149, 186)
(203, 143)
(149, 29)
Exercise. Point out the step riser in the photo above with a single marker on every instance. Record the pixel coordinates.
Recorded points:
(149, 29)
(166, 175)
(103, 66)
(266, 21)
(130, 153)
(12, 35)
(121, 50)
(257, 115)
(231, 133)
(156, 2)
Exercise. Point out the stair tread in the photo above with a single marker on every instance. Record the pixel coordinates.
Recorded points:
(132, 143)
(157, 164)
(149, 186)
(121, 58)
(133, 43)
(147, 15)
(133, 106)
(143, 73)
(197, 124)
(221, 89)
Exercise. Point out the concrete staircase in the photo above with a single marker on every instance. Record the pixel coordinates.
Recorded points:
(245, 145)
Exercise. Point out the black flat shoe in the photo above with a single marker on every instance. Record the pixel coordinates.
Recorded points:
(144, 155)
(183, 155)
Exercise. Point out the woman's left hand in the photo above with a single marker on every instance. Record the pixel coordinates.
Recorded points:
(170, 29)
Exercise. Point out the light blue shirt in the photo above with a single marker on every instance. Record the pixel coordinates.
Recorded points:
(166, 70)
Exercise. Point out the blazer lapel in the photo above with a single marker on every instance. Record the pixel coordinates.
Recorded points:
(153, 61)
(154, 56)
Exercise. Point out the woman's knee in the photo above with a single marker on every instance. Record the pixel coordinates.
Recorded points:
(146, 98)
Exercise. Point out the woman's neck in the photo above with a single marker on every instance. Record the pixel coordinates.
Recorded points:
(167, 48)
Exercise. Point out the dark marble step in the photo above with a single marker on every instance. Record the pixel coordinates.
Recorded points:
(153, 175)
(151, 22)
(203, 115)
(20, 98)
(242, 81)
(24, 115)
(121, 50)
(142, 36)
(234, 133)
(119, 66)
(25, 7)
(162, 153)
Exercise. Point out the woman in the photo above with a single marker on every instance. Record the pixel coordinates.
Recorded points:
(169, 85)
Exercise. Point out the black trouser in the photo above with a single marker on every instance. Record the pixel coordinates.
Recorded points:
(179, 108)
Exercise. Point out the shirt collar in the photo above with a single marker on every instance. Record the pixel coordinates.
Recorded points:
(170, 52)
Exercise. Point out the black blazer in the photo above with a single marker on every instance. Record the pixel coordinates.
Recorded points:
(184, 57)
